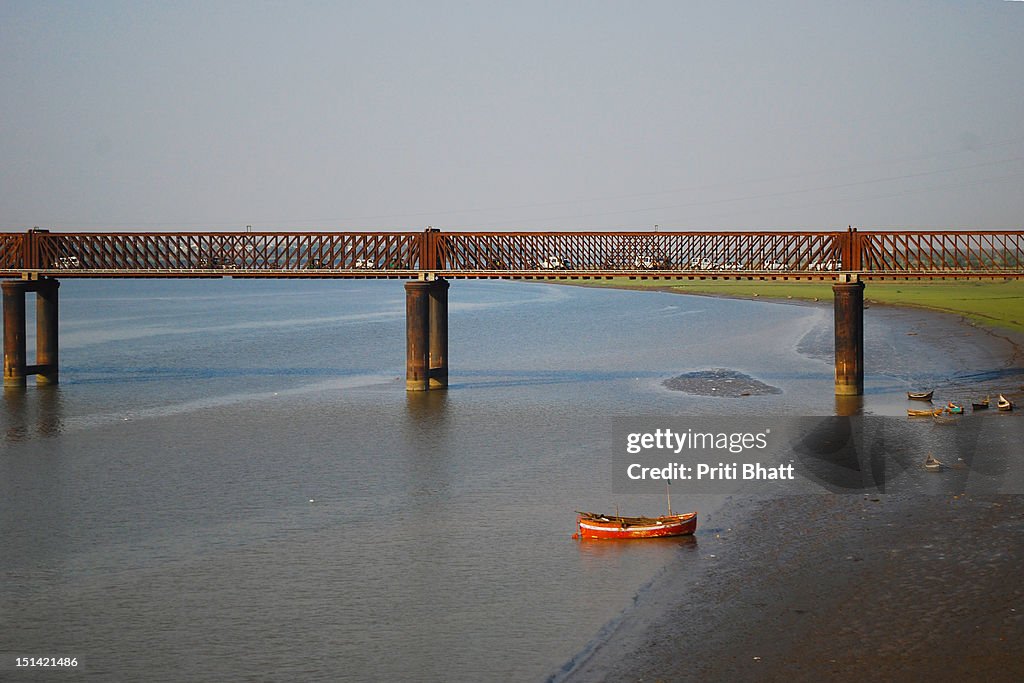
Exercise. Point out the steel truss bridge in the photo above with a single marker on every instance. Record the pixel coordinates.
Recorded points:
(819, 255)
(34, 262)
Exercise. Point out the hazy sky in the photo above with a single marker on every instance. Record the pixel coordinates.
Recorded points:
(506, 115)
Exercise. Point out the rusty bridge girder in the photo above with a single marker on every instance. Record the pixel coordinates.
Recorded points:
(431, 258)
(503, 255)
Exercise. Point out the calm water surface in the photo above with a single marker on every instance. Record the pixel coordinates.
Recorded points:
(231, 483)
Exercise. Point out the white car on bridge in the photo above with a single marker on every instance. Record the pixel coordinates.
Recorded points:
(551, 263)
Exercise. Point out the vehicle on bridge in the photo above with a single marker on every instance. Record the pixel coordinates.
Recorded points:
(212, 262)
(364, 264)
(644, 263)
(827, 264)
(551, 263)
(651, 263)
(702, 264)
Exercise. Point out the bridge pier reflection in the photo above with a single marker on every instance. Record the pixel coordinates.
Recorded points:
(16, 368)
(849, 405)
(849, 329)
(426, 335)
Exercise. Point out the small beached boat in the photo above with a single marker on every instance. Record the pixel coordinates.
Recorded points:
(931, 464)
(920, 396)
(923, 413)
(591, 525)
(1004, 403)
(981, 405)
(954, 408)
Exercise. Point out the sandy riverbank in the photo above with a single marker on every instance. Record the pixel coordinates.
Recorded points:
(841, 587)
(838, 587)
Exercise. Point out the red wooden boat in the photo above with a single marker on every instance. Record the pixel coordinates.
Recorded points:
(591, 525)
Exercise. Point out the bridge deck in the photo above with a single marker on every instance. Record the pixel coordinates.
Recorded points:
(760, 255)
(394, 274)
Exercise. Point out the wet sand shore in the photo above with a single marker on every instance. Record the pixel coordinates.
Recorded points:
(841, 587)
(899, 587)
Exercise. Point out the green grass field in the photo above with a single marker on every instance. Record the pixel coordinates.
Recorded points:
(997, 304)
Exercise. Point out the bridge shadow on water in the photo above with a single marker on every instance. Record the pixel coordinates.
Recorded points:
(139, 375)
(514, 378)
(492, 379)
(426, 405)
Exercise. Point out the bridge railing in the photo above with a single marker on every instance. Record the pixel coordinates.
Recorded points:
(941, 252)
(358, 254)
(12, 251)
(612, 251)
(249, 251)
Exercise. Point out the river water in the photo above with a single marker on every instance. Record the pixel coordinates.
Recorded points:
(230, 482)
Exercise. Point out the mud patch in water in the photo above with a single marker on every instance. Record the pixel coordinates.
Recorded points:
(720, 382)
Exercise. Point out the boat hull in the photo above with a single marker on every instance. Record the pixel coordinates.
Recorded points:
(610, 527)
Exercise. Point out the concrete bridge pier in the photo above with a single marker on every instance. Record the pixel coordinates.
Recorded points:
(16, 368)
(46, 332)
(849, 325)
(426, 335)
(439, 334)
(14, 333)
